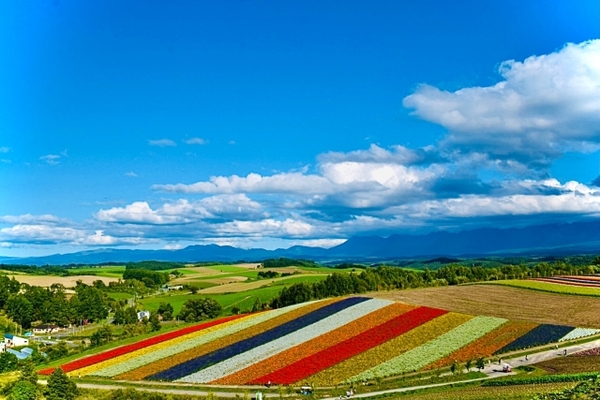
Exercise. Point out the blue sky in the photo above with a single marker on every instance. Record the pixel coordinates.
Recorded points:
(149, 124)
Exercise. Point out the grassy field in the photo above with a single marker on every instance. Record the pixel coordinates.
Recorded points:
(109, 271)
(549, 287)
(505, 302)
(66, 281)
(243, 300)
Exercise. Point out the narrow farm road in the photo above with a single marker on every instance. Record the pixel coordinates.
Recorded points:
(535, 358)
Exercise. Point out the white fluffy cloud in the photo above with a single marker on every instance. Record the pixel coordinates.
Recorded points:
(196, 140)
(183, 211)
(544, 106)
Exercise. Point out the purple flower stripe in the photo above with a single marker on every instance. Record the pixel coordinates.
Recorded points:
(196, 364)
(538, 336)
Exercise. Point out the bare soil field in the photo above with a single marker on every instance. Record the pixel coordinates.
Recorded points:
(229, 279)
(66, 281)
(505, 302)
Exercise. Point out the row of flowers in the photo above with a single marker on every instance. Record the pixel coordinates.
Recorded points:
(283, 343)
(488, 344)
(538, 336)
(441, 346)
(180, 344)
(351, 347)
(579, 333)
(290, 356)
(388, 350)
(96, 358)
(140, 357)
(171, 357)
(198, 363)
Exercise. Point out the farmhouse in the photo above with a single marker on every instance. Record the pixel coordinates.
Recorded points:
(15, 341)
(143, 314)
(45, 329)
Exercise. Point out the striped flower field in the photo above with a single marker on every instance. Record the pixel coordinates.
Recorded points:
(322, 342)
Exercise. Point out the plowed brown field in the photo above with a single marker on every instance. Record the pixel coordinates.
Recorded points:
(505, 302)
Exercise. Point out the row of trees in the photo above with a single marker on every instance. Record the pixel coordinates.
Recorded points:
(24, 303)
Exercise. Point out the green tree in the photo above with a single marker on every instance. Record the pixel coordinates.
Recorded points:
(60, 387)
(23, 390)
(480, 363)
(28, 372)
(154, 322)
(199, 309)
(165, 310)
(20, 310)
(453, 368)
(469, 364)
(8, 362)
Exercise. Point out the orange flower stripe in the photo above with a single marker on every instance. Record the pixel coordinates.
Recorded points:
(315, 345)
(161, 365)
(488, 344)
(388, 350)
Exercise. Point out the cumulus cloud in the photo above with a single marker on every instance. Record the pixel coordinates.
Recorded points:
(543, 106)
(131, 174)
(138, 212)
(162, 143)
(196, 140)
(4, 149)
(183, 211)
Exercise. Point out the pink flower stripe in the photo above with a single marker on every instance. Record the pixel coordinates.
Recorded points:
(96, 358)
(315, 345)
(335, 354)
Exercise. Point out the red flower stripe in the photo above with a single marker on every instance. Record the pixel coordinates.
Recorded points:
(96, 358)
(335, 354)
(315, 345)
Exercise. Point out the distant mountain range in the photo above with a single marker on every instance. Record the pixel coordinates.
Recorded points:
(554, 239)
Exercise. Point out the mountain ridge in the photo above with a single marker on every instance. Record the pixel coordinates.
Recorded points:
(556, 239)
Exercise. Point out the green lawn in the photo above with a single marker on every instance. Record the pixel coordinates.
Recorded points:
(244, 300)
(119, 295)
(548, 287)
(110, 271)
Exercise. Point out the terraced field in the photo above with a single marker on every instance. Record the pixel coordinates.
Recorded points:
(323, 342)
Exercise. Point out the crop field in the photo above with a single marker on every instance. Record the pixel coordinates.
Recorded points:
(505, 302)
(66, 281)
(552, 286)
(568, 365)
(324, 342)
(517, 392)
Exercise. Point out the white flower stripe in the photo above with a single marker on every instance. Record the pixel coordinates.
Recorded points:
(177, 345)
(579, 333)
(257, 354)
(433, 350)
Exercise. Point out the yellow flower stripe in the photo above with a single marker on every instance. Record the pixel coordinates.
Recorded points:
(90, 370)
(315, 345)
(388, 350)
(161, 365)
